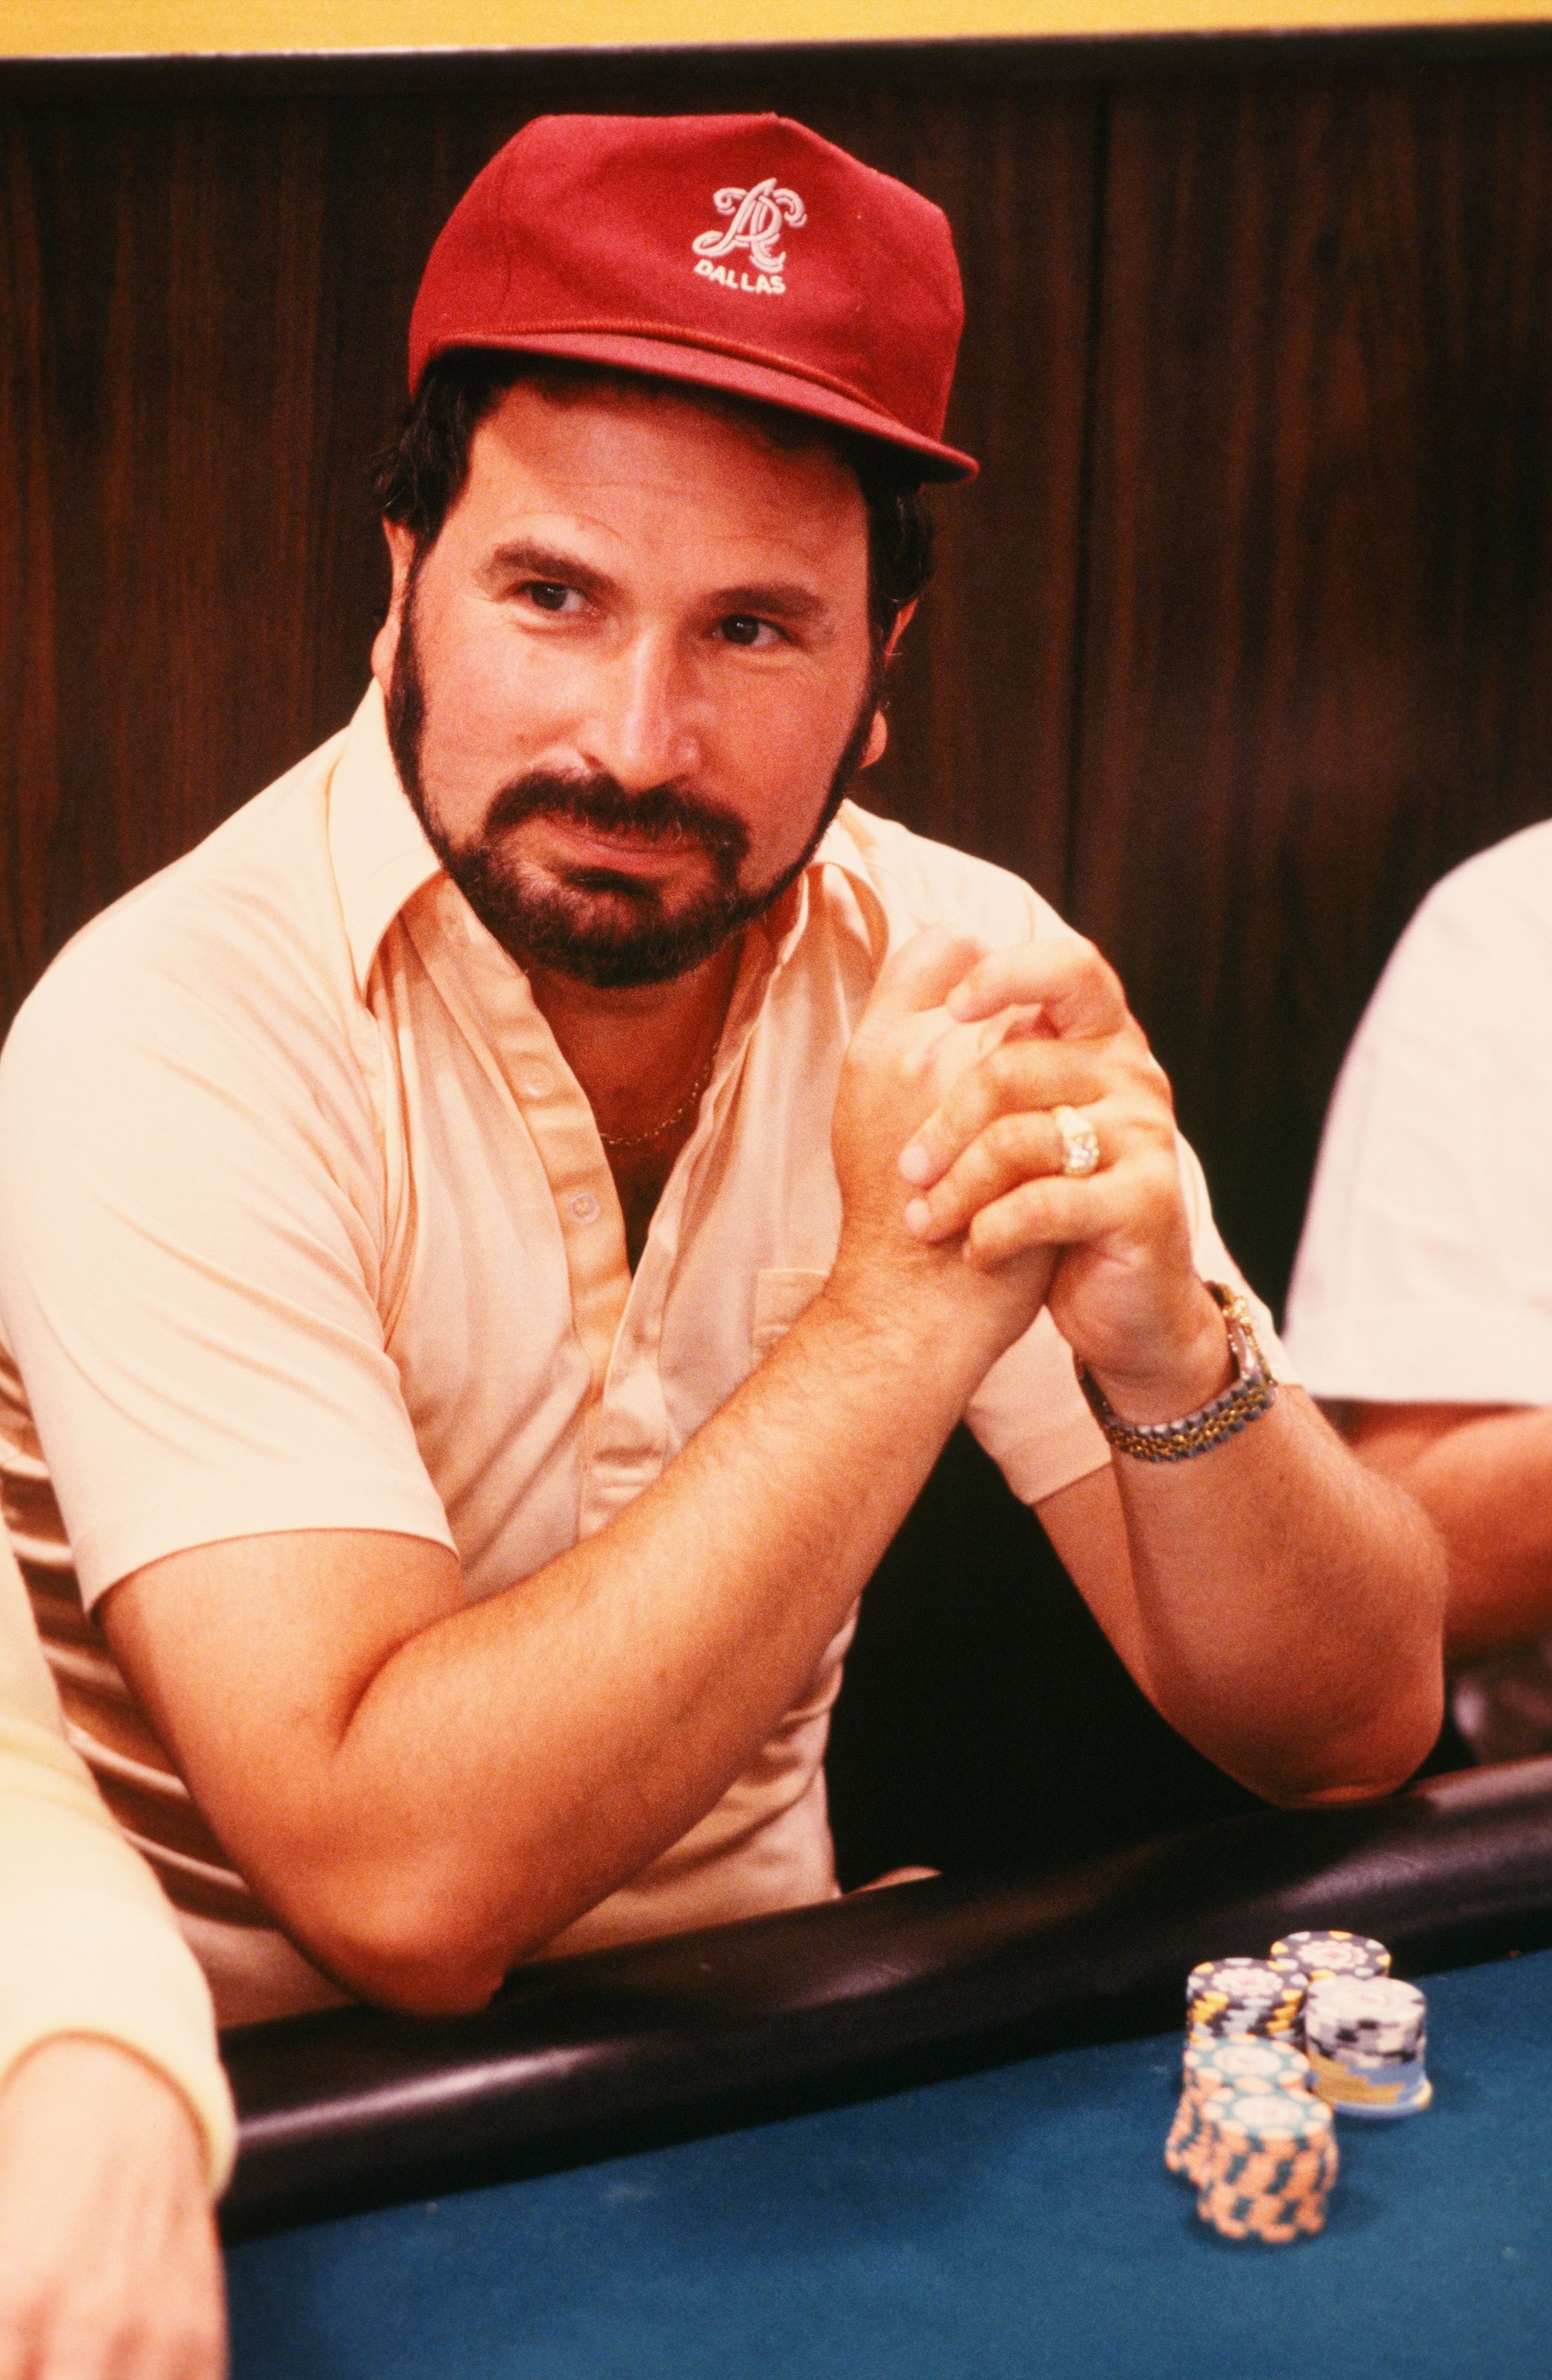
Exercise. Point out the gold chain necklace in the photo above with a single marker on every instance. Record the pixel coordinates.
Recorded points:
(640, 1139)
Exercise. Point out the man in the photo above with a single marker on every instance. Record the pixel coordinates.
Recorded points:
(1421, 1304)
(115, 2123)
(496, 1240)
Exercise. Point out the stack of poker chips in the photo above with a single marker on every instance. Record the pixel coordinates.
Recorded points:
(1214, 2068)
(1254, 2133)
(1244, 1998)
(1326, 1951)
(1268, 2170)
(1250, 2135)
(1366, 2038)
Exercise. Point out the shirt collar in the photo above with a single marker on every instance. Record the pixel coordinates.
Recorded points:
(382, 858)
(377, 844)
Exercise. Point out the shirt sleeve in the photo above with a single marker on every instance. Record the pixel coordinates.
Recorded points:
(88, 1944)
(191, 1236)
(1425, 1274)
(1030, 1412)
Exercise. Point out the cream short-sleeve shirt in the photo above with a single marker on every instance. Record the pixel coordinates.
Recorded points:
(305, 1223)
(1425, 1273)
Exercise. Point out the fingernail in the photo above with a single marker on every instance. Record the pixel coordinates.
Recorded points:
(916, 1164)
(918, 1218)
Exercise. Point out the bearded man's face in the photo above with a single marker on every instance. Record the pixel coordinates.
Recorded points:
(629, 683)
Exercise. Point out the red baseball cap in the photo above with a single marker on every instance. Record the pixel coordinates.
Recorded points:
(737, 253)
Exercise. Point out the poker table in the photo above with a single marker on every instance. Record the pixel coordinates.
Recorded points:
(918, 2132)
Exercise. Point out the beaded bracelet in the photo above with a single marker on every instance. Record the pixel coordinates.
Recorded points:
(1247, 1398)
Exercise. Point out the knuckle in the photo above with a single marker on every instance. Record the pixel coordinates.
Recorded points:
(944, 1199)
(1147, 1111)
(1094, 967)
(1004, 1070)
(1006, 1141)
(1154, 1080)
(957, 1124)
(966, 1184)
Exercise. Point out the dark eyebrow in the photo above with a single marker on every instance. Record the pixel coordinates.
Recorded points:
(523, 559)
(780, 600)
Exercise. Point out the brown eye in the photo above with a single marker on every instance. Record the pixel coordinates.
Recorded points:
(740, 629)
(548, 595)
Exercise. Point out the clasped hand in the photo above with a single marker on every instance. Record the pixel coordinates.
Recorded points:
(959, 1061)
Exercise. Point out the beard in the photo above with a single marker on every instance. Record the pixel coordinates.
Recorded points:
(601, 925)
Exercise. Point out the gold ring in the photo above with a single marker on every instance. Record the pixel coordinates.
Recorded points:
(1080, 1143)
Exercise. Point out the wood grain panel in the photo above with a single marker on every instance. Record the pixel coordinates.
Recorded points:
(982, 716)
(1317, 656)
(207, 299)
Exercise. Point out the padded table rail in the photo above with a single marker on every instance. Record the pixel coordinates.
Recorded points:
(573, 2054)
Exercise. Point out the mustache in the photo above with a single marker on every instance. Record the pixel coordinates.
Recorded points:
(661, 814)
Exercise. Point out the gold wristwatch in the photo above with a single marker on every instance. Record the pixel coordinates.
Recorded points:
(1247, 1398)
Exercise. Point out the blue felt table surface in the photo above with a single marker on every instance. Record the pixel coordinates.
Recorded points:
(1016, 2223)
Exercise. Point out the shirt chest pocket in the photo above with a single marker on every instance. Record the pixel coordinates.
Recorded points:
(782, 1293)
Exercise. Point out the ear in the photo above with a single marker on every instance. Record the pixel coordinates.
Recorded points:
(385, 644)
(902, 619)
(878, 734)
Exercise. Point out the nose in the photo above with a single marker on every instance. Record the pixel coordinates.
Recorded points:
(645, 728)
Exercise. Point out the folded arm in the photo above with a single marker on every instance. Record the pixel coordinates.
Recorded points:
(425, 1788)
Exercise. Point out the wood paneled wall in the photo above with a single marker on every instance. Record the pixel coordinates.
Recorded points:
(1243, 638)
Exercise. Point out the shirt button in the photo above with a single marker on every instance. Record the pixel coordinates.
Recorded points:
(584, 1208)
(534, 1085)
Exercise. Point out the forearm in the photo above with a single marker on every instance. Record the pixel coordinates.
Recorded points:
(510, 1765)
(81, 1958)
(1484, 1478)
(1282, 1607)
(1287, 1609)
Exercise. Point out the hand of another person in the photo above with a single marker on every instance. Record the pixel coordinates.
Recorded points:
(987, 1165)
(109, 2266)
(904, 1059)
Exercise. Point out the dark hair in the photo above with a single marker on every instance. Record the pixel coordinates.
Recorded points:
(420, 477)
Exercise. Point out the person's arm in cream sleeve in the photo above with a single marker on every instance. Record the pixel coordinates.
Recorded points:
(115, 2123)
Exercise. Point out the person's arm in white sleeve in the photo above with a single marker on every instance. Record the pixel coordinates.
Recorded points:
(1420, 1310)
(116, 2122)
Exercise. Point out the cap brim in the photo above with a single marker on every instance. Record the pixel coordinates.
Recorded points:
(699, 367)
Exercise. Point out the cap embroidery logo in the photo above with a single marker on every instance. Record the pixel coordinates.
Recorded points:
(759, 216)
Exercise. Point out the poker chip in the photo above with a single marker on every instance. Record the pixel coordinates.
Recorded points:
(1323, 1952)
(1226, 1998)
(1266, 2164)
(1366, 2042)
(1275, 2064)
(1217, 2066)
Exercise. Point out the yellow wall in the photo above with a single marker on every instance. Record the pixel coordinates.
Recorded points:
(32, 27)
